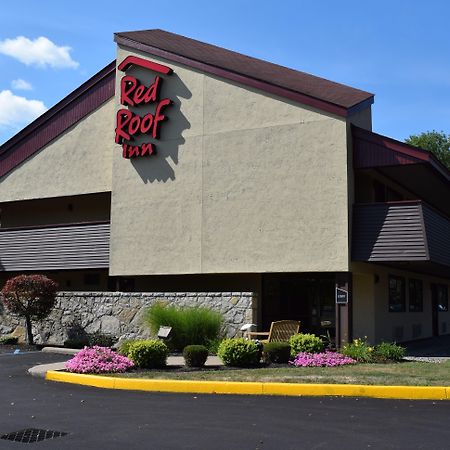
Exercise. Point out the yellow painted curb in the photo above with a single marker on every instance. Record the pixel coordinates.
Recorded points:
(253, 388)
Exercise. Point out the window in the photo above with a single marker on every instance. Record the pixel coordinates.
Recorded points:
(383, 193)
(442, 297)
(415, 295)
(397, 298)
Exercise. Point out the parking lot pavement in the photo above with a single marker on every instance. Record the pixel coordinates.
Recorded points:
(433, 347)
(102, 419)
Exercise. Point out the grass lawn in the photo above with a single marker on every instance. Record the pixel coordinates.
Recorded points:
(405, 373)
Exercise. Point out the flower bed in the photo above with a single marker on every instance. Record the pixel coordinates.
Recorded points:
(98, 360)
(325, 359)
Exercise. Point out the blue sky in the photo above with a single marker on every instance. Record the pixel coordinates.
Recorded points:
(399, 50)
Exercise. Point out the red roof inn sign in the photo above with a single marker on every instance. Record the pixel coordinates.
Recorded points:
(133, 93)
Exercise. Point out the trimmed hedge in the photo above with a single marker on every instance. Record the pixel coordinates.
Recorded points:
(148, 354)
(124, 347)
(305, 343)
(277, 352)
(239, 352)
(195, 355)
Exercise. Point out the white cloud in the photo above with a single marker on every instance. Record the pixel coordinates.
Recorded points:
(22, 85)
(16, 111)
(41, 52)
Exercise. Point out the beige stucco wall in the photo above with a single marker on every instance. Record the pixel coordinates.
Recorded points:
(363, 306)
(243, 182)
(371, 305)
(77, 162)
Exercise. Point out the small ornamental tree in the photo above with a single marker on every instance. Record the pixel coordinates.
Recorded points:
(31, 297)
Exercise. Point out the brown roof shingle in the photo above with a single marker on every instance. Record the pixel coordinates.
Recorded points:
(182, 49)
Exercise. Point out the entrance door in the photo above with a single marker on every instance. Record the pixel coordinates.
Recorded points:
(307, 298)
(434, 310)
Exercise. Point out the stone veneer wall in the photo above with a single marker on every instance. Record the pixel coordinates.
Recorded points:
(120, 313)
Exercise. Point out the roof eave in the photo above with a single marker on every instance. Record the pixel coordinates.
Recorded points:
(401, 147)
(246, 80)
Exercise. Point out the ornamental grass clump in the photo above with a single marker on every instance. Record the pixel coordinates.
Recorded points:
(98, 360)
(190, 326)
(324, 359)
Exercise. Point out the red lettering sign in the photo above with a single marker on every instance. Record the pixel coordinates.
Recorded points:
(133, 93)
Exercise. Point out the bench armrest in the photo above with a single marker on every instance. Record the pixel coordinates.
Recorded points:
(257, 333)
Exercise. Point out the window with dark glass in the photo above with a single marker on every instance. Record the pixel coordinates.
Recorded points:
(442, 297)
(383, 193)
(415, 295)
(397, 297)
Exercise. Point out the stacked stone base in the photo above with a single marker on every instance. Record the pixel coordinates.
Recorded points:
(120, 314)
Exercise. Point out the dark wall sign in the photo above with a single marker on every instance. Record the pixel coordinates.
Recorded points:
(341, 296)
(133, 94)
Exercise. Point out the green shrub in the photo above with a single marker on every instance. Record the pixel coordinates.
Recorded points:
(277, 352)
(213, 345)
(239, 352)
(8, 340)
(76, 343)
(195, 355)
(304, 342)
(360, 350)
(149, 354)
(389, 351)
(124, 347)
(189, 325)
(81, 340)
(101, 339)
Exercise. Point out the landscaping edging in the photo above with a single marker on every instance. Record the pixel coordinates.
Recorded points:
(253, 388)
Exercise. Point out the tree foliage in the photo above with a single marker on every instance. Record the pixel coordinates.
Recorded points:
(31, 297)
(434, 141)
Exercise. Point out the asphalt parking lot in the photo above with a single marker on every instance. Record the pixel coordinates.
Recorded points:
(102, 419)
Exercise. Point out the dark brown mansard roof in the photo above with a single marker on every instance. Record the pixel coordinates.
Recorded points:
(298, 86)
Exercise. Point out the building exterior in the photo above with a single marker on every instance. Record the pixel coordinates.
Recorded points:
(190, 173)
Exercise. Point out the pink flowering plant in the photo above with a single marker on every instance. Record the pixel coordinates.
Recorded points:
(324, 359)
(98, 360)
